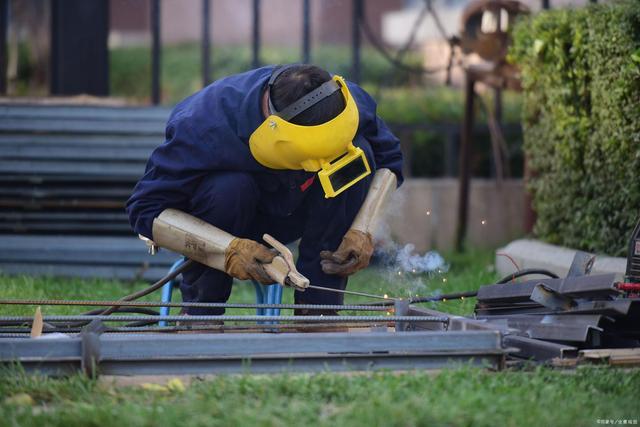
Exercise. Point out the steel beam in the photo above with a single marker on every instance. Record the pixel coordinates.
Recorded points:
(119, 354)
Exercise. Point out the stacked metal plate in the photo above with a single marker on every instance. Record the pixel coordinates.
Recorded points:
(579, 311)
(65, 174)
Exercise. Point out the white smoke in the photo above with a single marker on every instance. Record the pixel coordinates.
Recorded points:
(410, 262)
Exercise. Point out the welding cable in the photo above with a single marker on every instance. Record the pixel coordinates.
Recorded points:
(432, 298)
(471, 294)
(526, 272)
(160, 283)
(136, 295)
(57, 326)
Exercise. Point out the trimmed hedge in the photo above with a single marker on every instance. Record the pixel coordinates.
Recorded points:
(581, 121)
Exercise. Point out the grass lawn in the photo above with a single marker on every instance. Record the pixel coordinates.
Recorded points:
(453, 397)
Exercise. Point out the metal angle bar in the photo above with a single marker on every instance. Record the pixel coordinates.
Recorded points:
(519, 346)
(146, 318)
(573, 333)
(551, 299)
(529, 348)
(114, 347)
(583, 286)
(581, 264)
(554, 328)
(267, 365)
(615, 308)
(188, 304)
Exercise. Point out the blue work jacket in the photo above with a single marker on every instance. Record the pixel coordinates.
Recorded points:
(209, 131)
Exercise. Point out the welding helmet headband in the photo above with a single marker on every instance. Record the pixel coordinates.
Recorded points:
(326, 148)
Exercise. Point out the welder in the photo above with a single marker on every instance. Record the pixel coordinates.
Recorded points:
(286, 150)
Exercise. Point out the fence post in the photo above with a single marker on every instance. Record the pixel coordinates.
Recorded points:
(4, 26)
(306, 31)
(358, 14)
(206, 49)
(255, 61)
(155, 52)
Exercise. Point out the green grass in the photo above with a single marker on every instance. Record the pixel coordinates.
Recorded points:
(452, 397)
(463, 397)
(467, 272)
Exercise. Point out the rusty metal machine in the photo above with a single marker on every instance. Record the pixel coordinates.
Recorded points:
(485, 33)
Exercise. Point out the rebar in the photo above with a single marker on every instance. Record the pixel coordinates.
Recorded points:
(188, 304)
(326, 319)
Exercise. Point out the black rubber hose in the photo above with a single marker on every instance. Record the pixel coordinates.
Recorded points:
(471, 294)
(146, 291)
(526, 272)
(139, 294)
(441, 297)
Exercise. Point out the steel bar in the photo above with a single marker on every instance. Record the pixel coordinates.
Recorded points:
(5, 332)
(188, 304)
(131, 354)
(341, 291)
(145, 318)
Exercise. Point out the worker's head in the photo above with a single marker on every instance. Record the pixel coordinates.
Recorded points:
(311, 122)
(298, 80)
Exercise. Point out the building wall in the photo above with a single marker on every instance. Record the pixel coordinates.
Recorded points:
(423, 212)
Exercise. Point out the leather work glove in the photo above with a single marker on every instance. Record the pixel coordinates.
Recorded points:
(353, 254)
(244, 258)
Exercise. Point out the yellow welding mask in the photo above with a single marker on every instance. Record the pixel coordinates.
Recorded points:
(326, 148)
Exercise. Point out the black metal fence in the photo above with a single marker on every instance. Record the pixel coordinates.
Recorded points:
(358, 12)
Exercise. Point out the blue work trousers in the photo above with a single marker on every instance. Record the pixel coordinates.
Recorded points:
(247, 205)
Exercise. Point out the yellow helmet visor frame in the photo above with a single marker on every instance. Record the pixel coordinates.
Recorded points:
(326, 148)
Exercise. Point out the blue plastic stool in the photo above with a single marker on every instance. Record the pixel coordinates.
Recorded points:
(268, 294)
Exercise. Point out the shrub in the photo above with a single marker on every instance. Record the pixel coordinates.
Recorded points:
(581, 121)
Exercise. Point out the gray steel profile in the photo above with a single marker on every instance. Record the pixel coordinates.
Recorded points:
(158, 354)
